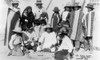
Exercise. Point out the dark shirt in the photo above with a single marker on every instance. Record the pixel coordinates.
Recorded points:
(30, 19)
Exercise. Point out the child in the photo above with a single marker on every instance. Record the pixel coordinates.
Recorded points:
(37, 28)
(43, 26)
(16, 43)
(31, 38)
(44, 16)
(65, 47)
(55, 18)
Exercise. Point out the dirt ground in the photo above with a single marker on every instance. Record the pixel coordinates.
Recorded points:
(40, 55)
(34, 56)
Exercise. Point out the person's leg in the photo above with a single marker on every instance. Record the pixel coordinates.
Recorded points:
(86, 45)
(26, 50)
(77, 45)
(35, 47)
(59, 55)
(67, 57)
(10, 53)
(73, 41)
(90, 44)
(82, 45)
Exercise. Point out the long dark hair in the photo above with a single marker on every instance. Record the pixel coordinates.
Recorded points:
(26, 9)
(63, 34)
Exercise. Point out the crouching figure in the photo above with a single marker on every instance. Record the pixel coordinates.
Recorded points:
(65, 48)
(16, 45)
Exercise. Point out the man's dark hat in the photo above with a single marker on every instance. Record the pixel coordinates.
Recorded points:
(56, 9)
(67, 6)
(38, 2)
(77, 5)
(90, 6)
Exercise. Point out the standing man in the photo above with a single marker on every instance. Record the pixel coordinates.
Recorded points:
(66, 16)
(39, 10)
(65, 13)
(71, 18)
(13, 17)
(89, 19)
(77, 27)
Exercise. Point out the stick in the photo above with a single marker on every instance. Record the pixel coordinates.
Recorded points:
(48, 5)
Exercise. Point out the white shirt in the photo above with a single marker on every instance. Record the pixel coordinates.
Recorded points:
(66, 44)
(38, 12)
(64, 15)
(15, 39)
(37, 31)
(31, 36)
(48, 39)
(42, 29)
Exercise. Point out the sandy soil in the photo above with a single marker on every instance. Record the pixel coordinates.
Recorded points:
(37, 55)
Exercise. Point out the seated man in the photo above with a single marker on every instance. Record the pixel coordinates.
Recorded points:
(48, 39)
(65, 47)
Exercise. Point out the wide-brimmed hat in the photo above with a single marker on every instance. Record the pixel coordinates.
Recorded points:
(56, 9)
(77, 5)
(90, 6)
(68, 5)
(15, 2)
(17, 30)
(38, 2)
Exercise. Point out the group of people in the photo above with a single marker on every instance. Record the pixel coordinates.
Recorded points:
(67, 32)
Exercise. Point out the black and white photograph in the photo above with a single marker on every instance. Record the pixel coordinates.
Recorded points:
(49, 30)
